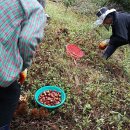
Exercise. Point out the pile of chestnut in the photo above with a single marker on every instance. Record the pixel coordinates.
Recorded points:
(50, 97)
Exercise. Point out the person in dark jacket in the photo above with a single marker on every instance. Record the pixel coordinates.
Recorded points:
(120, 23)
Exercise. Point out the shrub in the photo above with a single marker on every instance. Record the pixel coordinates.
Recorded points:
(124, 3)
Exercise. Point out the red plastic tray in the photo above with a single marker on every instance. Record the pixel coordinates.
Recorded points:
(74, 51)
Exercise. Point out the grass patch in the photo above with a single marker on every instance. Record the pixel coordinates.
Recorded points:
(70, 20)
(97, 90)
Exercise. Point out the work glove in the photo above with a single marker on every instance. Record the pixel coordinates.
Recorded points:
(22, 76)
(102, 45)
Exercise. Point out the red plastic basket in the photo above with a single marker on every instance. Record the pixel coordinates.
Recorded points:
(74, 51)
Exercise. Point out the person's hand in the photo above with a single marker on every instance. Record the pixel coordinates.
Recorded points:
(22, 76)
(103, 44)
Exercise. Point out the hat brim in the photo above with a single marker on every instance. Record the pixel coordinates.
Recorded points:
(100, 20)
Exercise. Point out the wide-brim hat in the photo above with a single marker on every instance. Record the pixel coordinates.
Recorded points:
(101, 14)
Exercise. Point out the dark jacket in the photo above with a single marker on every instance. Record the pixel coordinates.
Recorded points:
(120, 29)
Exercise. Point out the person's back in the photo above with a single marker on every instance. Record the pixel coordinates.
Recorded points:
(22, 23)
(121, 26)
(16, 30)
(11, 17)
(125, 17)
